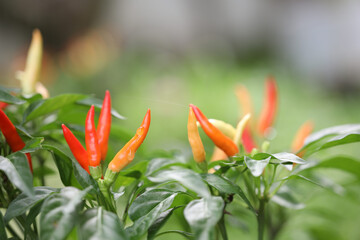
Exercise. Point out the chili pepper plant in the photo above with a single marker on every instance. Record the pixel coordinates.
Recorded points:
(129, 195)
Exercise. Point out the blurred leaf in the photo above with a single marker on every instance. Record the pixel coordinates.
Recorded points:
(225, 186)
(31, 217)
(202, 216)
(159, 222)
(186, 177)
(147, 216)
(43, 107)
(158, 164)
(256, 167)
(182, 233)
(2, 228)
(59, 213)
(24, 202)
(98, 224)
(17, 170)
(32, 145)
(98, 104)
(284, 198)
(8, 98)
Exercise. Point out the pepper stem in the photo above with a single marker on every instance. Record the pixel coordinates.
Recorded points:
(203, 166)
(96, 172)
(109, 177)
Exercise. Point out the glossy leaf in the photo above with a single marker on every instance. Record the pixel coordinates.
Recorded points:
(150, 214)
(23, 202)
(8, 98)
(158, 163)
(98, 105)
(59, 213)
(159, 222)
(256, 167)
(282, 157)
(18, 172)
(203, 215)
(43, 107)
(186, 177)
(98, 224)
(225, 186)
(84, 179)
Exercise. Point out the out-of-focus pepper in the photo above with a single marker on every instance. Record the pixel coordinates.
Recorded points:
(299, 139)
(219, 139)
(76, 148)
(127, 153)
(12, 137)
(3, 105)
(196, 144)
(247, 140)
(104, 125)
(224, 127)
(240, 129)
(244, 99)
(92, 145)
(268, 112)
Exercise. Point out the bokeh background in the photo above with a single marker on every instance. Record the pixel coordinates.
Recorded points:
(164, 55)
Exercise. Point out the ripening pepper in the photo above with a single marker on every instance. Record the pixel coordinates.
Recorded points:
(299, 139)
(268, 112)
(104, 125)
(220, 140)
(76, 148)
(12, 137)
(196, 144)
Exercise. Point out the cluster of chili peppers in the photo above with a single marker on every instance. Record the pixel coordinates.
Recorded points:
(227, 139)
(12, 137)
(96, 140)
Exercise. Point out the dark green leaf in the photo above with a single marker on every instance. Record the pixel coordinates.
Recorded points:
(18, 172)
(285, 198)
(8, 98)
(202, 216)
(225, 186)
(59, 213)
(23, 202)
(98, 104)
(186, 177)
(2, 228)
(30, 218)
(84, 179)
(32, 145)
(159, 222)
(43, 107)
(98, 224)
(256, 167)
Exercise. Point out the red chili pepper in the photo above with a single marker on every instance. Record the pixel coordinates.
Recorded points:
(268, 112)
(247, 140)
(104, 125)
(12, 137)
(127, 153)
(220, 140)
(76, 148)
(299, 139)
(91, 140)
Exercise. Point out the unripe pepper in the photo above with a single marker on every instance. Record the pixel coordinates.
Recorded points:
(12, 137)
(196, 144)
(104, 125)
(127, 153)
(268, 112)
(219, 139)
(76, 148)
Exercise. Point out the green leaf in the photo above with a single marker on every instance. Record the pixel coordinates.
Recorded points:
(256, 167)
(8, 98)
(282, 157)
(285, 198)
(24, 202)
(158, 164)
(59, 213)
(98, 224)
(225, 186)
(18, 172)
(147, 201)
(182, 233)
(159, 222)
(152, 210)
(43, 107)
(84, 179)
(31, 217)
(2, 228)
(98, 104)
(186, 177)
(202, 216)
(32, 145)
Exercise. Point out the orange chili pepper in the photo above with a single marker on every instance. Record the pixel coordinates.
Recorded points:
(91, 140)
(220, 140)
(127, 153)
(244, 99)
(300, 136)
(12, 137)
(76, 148)
(268, 112)
(196, 144)
(104, 125)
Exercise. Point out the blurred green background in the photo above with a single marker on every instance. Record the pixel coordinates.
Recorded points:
(164, 56)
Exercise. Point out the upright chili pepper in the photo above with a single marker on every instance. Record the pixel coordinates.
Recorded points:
(196, 144)
(104, 125)
(127, 153)
(299, 139)
(219, 139)
(92, 145)
(247, 140)
(268, 112)
(12, 137)
(244, 99)
(76, 148)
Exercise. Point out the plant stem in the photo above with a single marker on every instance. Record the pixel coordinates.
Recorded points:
(222, 228)
(261, 219)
